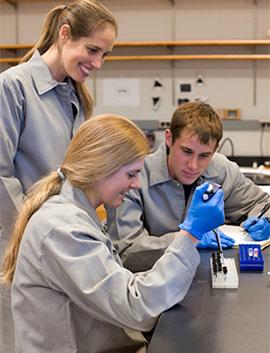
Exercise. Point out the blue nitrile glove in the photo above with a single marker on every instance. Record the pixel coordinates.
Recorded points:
(260, 230)
(204, 216)
(209, 240)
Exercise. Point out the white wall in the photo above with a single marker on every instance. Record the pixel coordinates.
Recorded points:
(227, 84)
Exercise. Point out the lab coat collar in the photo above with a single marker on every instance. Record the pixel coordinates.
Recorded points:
(42, 76)
(158, 170)
(79, 198)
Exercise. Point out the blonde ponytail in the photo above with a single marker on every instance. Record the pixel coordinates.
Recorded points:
(101, 145)
(36, 196)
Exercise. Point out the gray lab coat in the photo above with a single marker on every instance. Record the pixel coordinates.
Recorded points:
(70, 292)
(37, 122)
(146, 222)
(38, 117)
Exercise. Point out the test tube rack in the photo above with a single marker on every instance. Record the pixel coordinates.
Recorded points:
(251, 257)
(223, 271)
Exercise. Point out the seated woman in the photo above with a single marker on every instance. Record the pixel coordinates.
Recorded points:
(70, 291)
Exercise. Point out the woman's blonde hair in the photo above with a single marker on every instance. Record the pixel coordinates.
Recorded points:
(84, 17)
(101, 146)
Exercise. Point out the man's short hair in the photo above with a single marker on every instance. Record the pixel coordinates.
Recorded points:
(200, 119)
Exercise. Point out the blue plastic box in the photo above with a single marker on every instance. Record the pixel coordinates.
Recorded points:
(251, 257)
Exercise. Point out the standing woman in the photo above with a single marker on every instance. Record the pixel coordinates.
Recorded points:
(70, 292)
(43, 101)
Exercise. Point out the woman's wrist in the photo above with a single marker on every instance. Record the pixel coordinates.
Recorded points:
(183, 232)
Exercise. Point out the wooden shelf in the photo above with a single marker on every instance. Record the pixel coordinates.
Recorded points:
(189, 57)
(167, 57)
(159, 44)
(244, 42)
(170, 43)
(9, 60)
(16, 2)
(15, 47)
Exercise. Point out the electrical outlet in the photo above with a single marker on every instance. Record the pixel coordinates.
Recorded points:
(164, 124)
(265, 123)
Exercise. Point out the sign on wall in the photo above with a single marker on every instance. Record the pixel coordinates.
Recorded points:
(123, 92)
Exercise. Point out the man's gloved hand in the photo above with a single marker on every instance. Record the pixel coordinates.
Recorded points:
(258, 228)
(209, 240)
(204, 216)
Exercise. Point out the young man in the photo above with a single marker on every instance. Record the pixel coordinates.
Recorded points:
(146, 222)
